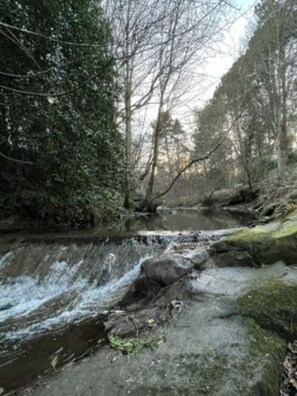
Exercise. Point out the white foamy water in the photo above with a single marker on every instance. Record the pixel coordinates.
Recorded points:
(30, 306)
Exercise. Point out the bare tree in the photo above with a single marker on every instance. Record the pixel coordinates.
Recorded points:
(183, 39)
(157, 43)
(275, 56)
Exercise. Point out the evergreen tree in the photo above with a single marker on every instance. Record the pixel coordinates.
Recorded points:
(59, 146)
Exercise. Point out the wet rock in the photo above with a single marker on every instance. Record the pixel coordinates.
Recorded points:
(208, 349)
(166, 269)
(274, 307)
(263, 244)
(147, 305)
(137, 322)
(141, 291)
(198, 258)
(234, 258)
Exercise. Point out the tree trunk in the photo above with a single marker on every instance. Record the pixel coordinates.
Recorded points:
(283, 139)
(128, 131)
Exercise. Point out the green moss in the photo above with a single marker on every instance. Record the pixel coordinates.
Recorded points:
(249, 235)
(272, 312)
(265, 244)
(273, 306)
(267, 349)
(288, 231)
(235, 258)
(133, 345)
(264, 341)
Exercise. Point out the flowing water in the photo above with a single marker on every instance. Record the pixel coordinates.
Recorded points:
(56, 289)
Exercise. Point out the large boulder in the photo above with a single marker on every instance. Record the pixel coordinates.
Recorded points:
(273, 306)
(156, 274)
(259, 245)
(166, 269)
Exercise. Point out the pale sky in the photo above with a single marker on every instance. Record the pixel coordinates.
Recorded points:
(229, 49)
(225, 55)
(212, 70)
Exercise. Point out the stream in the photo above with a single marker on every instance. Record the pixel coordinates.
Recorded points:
(56, 289)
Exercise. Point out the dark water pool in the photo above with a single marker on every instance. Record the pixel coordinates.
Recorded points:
(178, 220)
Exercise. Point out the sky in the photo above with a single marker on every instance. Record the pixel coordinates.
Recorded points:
(224, 55)
(229, 49)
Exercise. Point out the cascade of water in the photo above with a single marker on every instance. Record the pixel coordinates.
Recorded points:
(48, 284)
(43, 286)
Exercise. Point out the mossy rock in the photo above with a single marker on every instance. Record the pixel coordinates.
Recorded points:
(267, 350)
(234, 258)
(274, 307)
(264, 244)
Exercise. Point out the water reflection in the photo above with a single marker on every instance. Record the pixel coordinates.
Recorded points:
(180, 220)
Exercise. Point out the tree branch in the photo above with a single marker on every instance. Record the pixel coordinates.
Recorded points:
(194, 161)
(16, 160)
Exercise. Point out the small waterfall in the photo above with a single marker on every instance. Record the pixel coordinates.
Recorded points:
(47, 285)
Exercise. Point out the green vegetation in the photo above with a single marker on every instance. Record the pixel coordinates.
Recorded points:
(133, 345)
(273, 306)
(235, 258)
(262, 244)
(270, 349)
(60, 150)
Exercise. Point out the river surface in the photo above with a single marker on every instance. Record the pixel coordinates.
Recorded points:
(177, 220)
(56, 289)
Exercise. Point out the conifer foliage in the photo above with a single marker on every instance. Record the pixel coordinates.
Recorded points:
(60, 150)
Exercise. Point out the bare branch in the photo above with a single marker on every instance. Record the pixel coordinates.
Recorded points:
(16, 160)
(194, 161)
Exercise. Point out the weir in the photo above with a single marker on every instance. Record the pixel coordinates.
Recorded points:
(45, 284)
(56, 292)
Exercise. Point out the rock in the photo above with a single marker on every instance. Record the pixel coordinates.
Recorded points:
(138, 322)
(198, 257)
(263, 244)
(274, 307)
(166, 269)
(141, 291)
(235, 258)
(4, 308)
